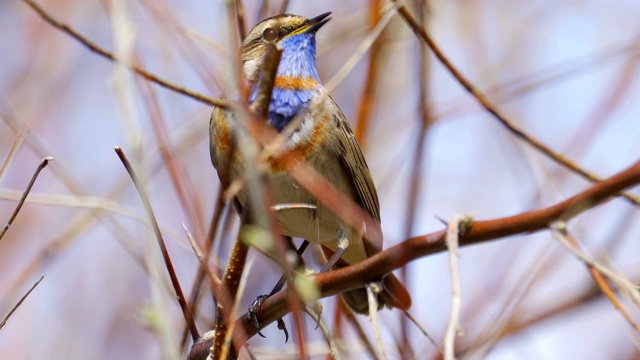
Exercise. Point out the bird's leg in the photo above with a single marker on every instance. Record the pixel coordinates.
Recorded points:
(343, 245)
(254, 309)
(257, 304)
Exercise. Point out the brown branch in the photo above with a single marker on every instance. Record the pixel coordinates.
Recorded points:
(196, 289)
(188, 317)
(240, 19)
(367, 99)
(357, 275)
(595, 270)
(4, 321)
(484, 101)
(42, 165)
(108, 55)
(179, 176)
(229, 289)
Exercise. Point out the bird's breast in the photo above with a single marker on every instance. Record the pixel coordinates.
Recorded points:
(313, 132)
(305, 141)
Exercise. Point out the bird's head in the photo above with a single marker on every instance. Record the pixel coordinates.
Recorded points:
(293, 34)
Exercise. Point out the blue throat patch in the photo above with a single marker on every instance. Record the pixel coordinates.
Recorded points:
(298, 61)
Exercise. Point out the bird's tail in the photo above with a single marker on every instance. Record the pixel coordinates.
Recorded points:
(393, 294)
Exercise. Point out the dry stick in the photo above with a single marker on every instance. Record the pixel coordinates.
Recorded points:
(368, 92)
(167, 19)
(106, 54)
(234, 308)
(351, 318)
(373, 290)
(598, 273)
(14, 148)
(194, 298)
(283, 7)
(240, 19)
(165, 254)
(416, 183)
(228, 289)
(453, 232)
(493, 109)
(200, 347)
(4, 321)
(586, 299)
(198, 252)
(334, 353)
(42, 165)
(179, 176)
(263, 10)
(355, 276)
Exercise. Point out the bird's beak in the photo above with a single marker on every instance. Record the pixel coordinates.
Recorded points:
(312, 25)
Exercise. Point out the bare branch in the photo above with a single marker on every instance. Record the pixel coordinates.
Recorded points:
(163, 248)
(484, 101)
(357, 275)
(4, 321)
(108, 55)
(42, 165)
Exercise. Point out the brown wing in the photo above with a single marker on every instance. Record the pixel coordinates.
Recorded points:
(356, 166)
(394, 294)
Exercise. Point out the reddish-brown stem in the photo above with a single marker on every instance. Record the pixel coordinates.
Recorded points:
(42, 165)
(368, 92)
(108, 55)
(484, 101)
(357, 275)
(188, 317)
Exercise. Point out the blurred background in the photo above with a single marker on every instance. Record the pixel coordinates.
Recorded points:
(563, 71)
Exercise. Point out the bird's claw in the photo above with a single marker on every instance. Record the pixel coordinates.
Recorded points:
(255, 309)
(283, 327)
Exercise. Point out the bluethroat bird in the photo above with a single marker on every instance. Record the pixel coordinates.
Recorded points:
(323, 139)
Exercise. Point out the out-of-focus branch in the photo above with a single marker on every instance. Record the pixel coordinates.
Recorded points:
(455, 227)
(600, 273)
(188, 317)
(240, 18)
(4, 321)
(357, 275)
(484, 101)
(368, 92)
(42, 165)
(106, 54)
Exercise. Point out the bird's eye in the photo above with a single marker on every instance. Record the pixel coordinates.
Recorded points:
(269, 35)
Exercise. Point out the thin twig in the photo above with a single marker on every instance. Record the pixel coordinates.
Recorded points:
(42, 165)
(416, 181)
(108, 55)
(350, 316)
(234, 310)
(201, 258)
(367, 99)
(165, 254)
(283, 7)
(484, 101)
(240, 18)
(355, 276)
(453, 326)
(599, 272)
(194, 298)
(422, 329)
(4, 321)
(180, 180)
(373, 289)
(14, 148)
(335, 354)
